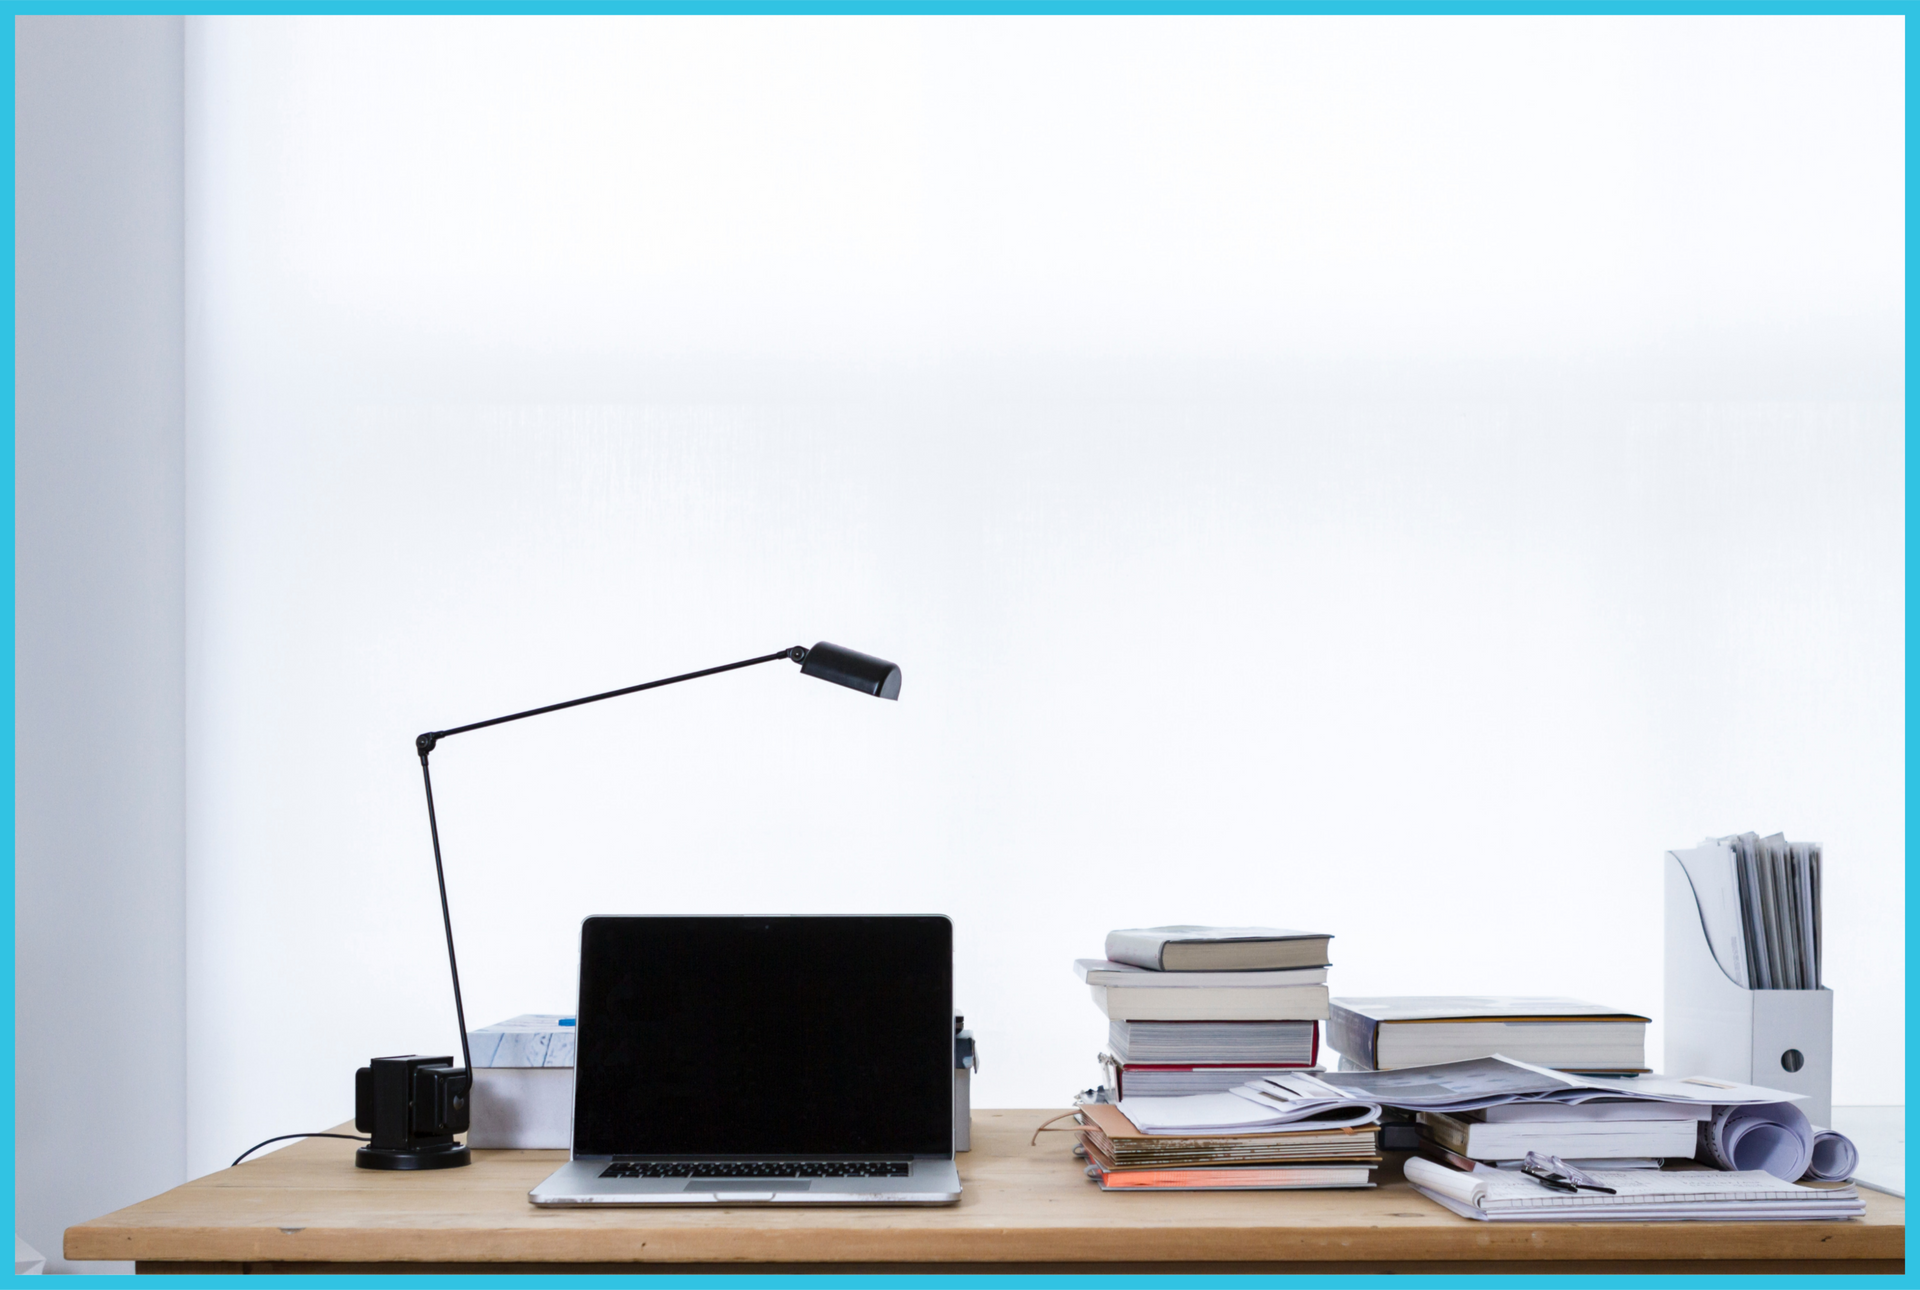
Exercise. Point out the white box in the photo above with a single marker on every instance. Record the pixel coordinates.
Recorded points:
(522, 1107)
(523, 1083)
(1719, 1028)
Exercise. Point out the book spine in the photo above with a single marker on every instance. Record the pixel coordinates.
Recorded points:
(1449, 1133)
(1352, 1035)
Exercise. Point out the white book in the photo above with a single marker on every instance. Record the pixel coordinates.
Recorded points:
(1280, 1043)
(1412, 1030)
(1584, 1140)
(1107, 972)
(1264, 1003)
(1189, 948)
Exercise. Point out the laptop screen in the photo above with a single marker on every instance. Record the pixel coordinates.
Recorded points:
(766, 1036)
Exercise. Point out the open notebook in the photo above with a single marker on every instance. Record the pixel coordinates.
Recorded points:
(1641, 1195)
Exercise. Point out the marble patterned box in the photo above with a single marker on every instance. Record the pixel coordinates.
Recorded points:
(523, 1082)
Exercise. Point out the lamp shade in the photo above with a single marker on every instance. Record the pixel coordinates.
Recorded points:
(851, 668)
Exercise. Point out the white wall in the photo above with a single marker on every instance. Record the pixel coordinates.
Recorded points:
(1394, 476)
(99, 879)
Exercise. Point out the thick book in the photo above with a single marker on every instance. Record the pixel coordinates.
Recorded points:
(1185, 948)
(1257, 1003)
(1107, 972)
(1171, 1079)
(1410, 1030)
(1571, 1139)
(1272, 1043)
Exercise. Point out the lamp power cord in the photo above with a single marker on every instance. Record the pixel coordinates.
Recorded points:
(349, 1137)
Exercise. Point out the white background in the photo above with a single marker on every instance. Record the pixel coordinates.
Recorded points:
(1389, 476)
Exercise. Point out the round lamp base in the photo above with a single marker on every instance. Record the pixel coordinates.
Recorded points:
(447, 1155)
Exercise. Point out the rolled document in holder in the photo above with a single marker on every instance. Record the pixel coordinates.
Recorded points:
(1715, 1024)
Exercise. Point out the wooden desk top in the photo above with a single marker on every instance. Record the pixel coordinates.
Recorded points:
(1024, 1207)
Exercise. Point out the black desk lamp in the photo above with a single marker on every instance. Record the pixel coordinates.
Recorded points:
(412, 1106)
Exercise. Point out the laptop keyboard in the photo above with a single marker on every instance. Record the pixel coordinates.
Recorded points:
(756, 1169)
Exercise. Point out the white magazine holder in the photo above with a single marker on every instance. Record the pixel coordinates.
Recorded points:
(1719, 1028)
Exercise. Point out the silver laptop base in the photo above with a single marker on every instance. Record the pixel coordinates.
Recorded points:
(578, 1182)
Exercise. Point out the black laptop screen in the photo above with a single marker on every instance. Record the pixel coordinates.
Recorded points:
(765, 1036)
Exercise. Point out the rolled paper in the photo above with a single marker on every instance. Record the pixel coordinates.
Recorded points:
(1834, 1157)
(1771, 1136)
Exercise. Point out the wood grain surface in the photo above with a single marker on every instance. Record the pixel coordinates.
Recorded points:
(1023, 1205)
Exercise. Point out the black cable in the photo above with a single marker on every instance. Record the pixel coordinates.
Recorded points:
(350, 1137)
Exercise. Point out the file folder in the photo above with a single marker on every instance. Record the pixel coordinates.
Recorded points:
(1719, 1028)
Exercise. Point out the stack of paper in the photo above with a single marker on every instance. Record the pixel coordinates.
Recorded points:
(1639, 1196)
(1292, 1098)
(1497, 1081)
(1123, 1156)
(1760, 908)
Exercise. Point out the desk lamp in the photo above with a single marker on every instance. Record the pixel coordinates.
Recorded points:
(412, 1106)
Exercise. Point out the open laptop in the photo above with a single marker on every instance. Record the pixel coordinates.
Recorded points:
(764, 1060)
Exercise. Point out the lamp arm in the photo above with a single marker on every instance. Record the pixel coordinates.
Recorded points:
(446, 916)
(426, 743)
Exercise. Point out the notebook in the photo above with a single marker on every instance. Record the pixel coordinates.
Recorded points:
(1640, 1195)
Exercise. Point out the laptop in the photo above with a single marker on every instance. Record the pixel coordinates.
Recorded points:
(778, 1060)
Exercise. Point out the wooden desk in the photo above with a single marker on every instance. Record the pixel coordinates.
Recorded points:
(306, 1208)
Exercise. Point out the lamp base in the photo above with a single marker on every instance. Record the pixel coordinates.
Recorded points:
(445, 1155)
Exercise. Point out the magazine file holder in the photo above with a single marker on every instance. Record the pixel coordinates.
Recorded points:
(1718, 1028)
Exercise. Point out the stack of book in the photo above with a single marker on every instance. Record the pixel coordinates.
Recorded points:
(1203, 1009)
(1123, 1157)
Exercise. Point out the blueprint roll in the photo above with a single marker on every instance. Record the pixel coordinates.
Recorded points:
(1834, 1157)
(1772, 1136)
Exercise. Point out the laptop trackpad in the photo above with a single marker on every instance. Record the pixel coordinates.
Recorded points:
(748, 1184)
